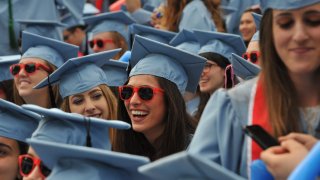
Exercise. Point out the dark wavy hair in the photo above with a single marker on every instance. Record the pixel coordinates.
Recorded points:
(175, 137)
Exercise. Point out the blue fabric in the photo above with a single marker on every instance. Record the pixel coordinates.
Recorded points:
(196, 16)
(152, 33)
(285, 4)
(186, 40)
(5, 63)
(192, 106)
(243, 68)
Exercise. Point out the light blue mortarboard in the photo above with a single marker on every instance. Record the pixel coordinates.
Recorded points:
(117, 70)
(187, 41)
(72, 128)
(89, 9)
(257, 20)
(16, 122)
(74, 16)
(49, 29)
(255, 37)
(80, 74)
(151, 33)
(243, 68)
(82, 163)
(54, 51)
(220, 43)
(125, 57)
(286, 4)
(106, 22)
(161, 60)
(5, 63)
(186, 166)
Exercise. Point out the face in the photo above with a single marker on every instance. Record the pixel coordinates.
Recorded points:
(9, 152)
(74, 38)
(91, 103)
(25, 82)
(147, 116)
(212, 77)
(247, 26)
(106, 37)
(253, 46)
(297, 38)
(35, 174)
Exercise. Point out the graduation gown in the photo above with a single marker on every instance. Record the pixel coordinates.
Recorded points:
(219, 136)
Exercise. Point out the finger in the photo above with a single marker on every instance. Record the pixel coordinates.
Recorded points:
(292, 144)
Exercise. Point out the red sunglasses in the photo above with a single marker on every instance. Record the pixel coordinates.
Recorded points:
(29, 68)
(99, 42)
(145, 92)
(27, 164)
(252, 56)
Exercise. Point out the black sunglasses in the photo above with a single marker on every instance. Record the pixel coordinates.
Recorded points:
(144, 92)
(99, 42)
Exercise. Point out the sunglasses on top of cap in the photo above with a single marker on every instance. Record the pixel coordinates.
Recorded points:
(99, 42)
(145, 92)
(28, 163)
(29, 68)
(252, 56)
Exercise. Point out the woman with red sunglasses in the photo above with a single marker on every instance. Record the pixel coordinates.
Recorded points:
(284, 98)
(152, 102)
(41, 56)
(109, 31)
(16, 125)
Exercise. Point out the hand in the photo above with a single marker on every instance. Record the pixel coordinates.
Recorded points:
(307, 140)
(281, 160)
(133, 5)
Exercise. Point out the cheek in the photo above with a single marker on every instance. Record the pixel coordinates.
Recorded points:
(75, 108)
(9, 167)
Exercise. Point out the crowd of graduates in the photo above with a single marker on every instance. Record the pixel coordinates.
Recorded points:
(159, 89)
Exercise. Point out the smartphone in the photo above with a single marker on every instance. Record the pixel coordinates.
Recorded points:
(261, 136)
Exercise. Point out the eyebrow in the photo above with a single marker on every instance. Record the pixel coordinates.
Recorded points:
(311, 12)
(5, 145)
(283, 14)
(95, 90)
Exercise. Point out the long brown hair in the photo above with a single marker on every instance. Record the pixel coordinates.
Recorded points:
(120, 42)
(174, 9)
(17, 99)
(280, 92)
(175, 137)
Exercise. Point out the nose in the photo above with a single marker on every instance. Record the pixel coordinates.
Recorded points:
(89, 106)
(135, 99)
(300, 35)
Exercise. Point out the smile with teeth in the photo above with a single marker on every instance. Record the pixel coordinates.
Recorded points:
(138, 113)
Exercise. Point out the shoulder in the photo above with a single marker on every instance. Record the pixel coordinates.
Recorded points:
(195, 5)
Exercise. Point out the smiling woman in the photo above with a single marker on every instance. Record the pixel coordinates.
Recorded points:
(152, 101)
(41, 56)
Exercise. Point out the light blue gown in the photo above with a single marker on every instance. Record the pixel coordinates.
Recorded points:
(219, 136)
(196, 16)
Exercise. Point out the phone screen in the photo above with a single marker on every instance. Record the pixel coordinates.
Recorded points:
(260, 136)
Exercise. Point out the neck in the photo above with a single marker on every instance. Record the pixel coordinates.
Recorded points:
(308, 88)
(43, 101)
(153, 134)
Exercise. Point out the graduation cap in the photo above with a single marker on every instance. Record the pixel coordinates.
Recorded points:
(285, 4)
(80, 74)
(186, 166)
(125, 57)
(106, 22)
(158, 59)
(16, 122)
(187, 41)
(244, 68)
(76, 162)
(257, 19)
(220, 43)
(255, 37)
(49, 29)
(117, 70)
(54, 51)
(5, 63)
(72, 128)
(151, 33)
(89, 9)
(74, 14)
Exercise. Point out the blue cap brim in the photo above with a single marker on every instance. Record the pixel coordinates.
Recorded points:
(243, 68)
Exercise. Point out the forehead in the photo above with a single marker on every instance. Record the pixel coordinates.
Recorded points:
(247, 16)
(27, 60)
(97, 88)
(9, 142)
(314, 7)
(144, 80)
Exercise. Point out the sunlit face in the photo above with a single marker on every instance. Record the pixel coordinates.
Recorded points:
(91, 103)
(35, 173)
(25, 82)
(107, 45)
(297, 38)
(9, 152)
(212, 77)
(247, 26)
(147, 117)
